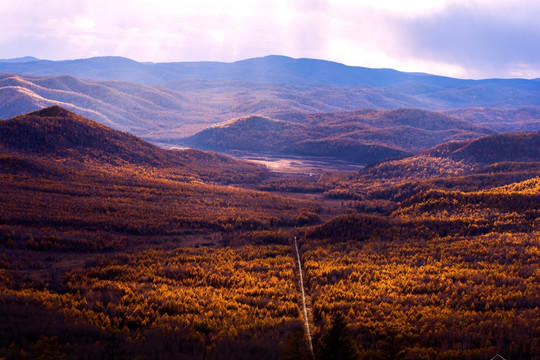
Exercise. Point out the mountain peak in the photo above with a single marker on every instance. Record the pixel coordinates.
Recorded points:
(53, 111)
(24, 59)
(57, 132)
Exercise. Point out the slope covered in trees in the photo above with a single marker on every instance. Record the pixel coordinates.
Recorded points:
(185, 303)
(501, 120)
(483, 163)
(58, 134)
(363, 136)
(113, 248)
(91, 187)
(446, 267)
(84, 207)
(495, 148)
(446, 297)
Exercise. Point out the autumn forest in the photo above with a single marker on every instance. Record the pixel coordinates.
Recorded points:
(114, 248)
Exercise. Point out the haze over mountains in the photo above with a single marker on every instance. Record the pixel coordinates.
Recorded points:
(131, 107)
(166, 101)
(268, 69)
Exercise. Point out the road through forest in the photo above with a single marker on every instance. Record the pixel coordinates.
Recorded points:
(306, 321)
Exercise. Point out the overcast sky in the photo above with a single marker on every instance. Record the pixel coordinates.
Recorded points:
(460, 38)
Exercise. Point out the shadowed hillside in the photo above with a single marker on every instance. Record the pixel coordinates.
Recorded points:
(494, 148)
(57, 133)
(63, 174)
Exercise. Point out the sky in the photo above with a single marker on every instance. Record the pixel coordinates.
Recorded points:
(458, 38)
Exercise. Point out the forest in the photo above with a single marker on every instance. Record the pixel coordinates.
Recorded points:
(361, 136)
(112, 248)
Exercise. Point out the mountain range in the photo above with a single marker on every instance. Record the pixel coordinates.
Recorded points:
(115, 247)
(268, 69)
(163, 102)
(56, 140)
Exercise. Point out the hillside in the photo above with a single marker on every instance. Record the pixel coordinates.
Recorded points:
(474, 165)
(252, 133)
(362, 136)
(425, 244)
(114, 248)
(491, 149)
(166, 101)
(130, 107)
(501, 120)
(61, 172)
(55, 133)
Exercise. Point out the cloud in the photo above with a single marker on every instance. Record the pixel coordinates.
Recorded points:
(486, 41)
(469, 38)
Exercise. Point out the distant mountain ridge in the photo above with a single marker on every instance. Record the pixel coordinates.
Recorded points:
(271, 68)
(23, 59)
(163, 102)
(130, 107)
(502, 120)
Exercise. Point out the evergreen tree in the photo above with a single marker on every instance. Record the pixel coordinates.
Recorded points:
(338, 343)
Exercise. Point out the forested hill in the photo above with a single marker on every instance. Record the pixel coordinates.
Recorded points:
(494, 148)
(55, 133)
(362, 136)
(58, 132)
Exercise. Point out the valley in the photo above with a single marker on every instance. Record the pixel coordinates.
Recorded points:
(397, 210)
(269, 180)
(117, 248)
(297, 165)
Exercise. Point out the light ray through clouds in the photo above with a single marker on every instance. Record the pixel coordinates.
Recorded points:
(462, 38)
